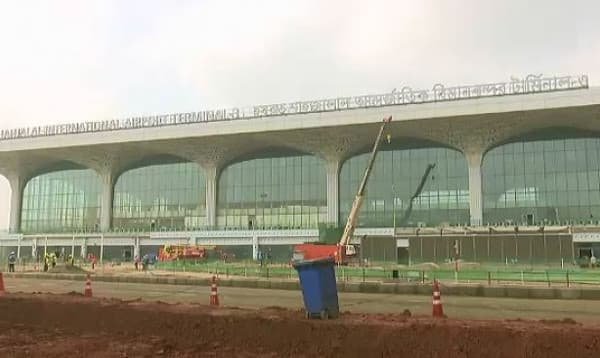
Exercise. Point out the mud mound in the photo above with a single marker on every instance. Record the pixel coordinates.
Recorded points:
(74, 293)
(426, 266)
(462, 265)
(57, 326)
(559, 321)
(67, 269)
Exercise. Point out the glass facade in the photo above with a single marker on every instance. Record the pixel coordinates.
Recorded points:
(397, 176)
(169, 196)
(66, 200)
(284, 192)
(542, 181)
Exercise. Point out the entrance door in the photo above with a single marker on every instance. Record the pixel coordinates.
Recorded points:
(403, 255)
(251, 221)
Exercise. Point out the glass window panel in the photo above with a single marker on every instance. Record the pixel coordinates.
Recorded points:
(61, 201)
(398, 174)
(292, 186)
(559, 179)
(168, 195)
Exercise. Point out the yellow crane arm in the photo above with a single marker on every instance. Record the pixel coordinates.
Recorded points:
(358, 199)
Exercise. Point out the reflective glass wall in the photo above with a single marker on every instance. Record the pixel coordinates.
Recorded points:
(163, 196)
(66, 200)
(441, 194)
(284, 192)
(542, 181)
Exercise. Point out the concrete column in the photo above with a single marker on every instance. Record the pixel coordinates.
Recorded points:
(17, 184)
(34, 249)
(333, 192)
(108, 180)
(136, 248)
(255, 247)
(101, 248)
(73, 246)
(475, 188)
(212, 175)
(83, 248)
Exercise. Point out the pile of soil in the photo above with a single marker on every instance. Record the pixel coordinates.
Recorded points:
(426, 266)
(61, 268)
(70, 326)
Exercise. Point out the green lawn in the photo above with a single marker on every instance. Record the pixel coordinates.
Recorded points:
(492, 273)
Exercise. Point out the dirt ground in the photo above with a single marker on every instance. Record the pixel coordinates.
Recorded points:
(44, 325)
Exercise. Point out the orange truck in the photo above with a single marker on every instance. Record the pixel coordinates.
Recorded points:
(343, 252)
(174, 252)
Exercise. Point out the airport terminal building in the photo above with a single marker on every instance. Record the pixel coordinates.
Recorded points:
(515, 176)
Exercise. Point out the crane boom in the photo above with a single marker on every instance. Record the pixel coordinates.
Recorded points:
(416, 194)
(356, 204)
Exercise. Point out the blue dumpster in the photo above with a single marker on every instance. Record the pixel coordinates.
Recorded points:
(319, 290)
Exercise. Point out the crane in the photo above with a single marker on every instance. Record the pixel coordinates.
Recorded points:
(408, 211)
(342, 249)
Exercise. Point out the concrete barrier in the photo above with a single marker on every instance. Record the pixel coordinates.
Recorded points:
(493, 291)
(517, 292)
(590, 294)
(423, 289)
(262, 284)
(369, 287)
(568, 293)
(351, 287)
(284, 285)
(244, 283)
(387, 288)
(358, 287)
(460, 290)
(542, 292)
(405, 289)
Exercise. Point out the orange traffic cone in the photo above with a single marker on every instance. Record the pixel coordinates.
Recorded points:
(214, 296)
(438, 310)
(2, 291)
(88, 287)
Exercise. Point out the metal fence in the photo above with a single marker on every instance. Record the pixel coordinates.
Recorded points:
(550, 277)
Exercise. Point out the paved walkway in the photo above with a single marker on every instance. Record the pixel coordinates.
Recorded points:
(459, 307)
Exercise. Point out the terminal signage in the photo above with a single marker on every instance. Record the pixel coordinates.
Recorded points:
(404, 96)
(586, 237)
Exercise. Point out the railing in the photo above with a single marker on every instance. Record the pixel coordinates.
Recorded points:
(550, 277)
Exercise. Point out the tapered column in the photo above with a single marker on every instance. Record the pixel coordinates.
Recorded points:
(475, 188)
(34, 245)
(211, 196)
(333, 192)
(106, 209)
(17, 184)
(84, 248)
(136, 248)
(255, 248)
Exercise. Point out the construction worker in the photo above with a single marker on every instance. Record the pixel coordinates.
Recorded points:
(12, 260)
(145, 262)
(46, 261)
(53, 258)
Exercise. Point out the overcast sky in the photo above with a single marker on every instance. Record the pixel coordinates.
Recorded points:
(72, 61)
